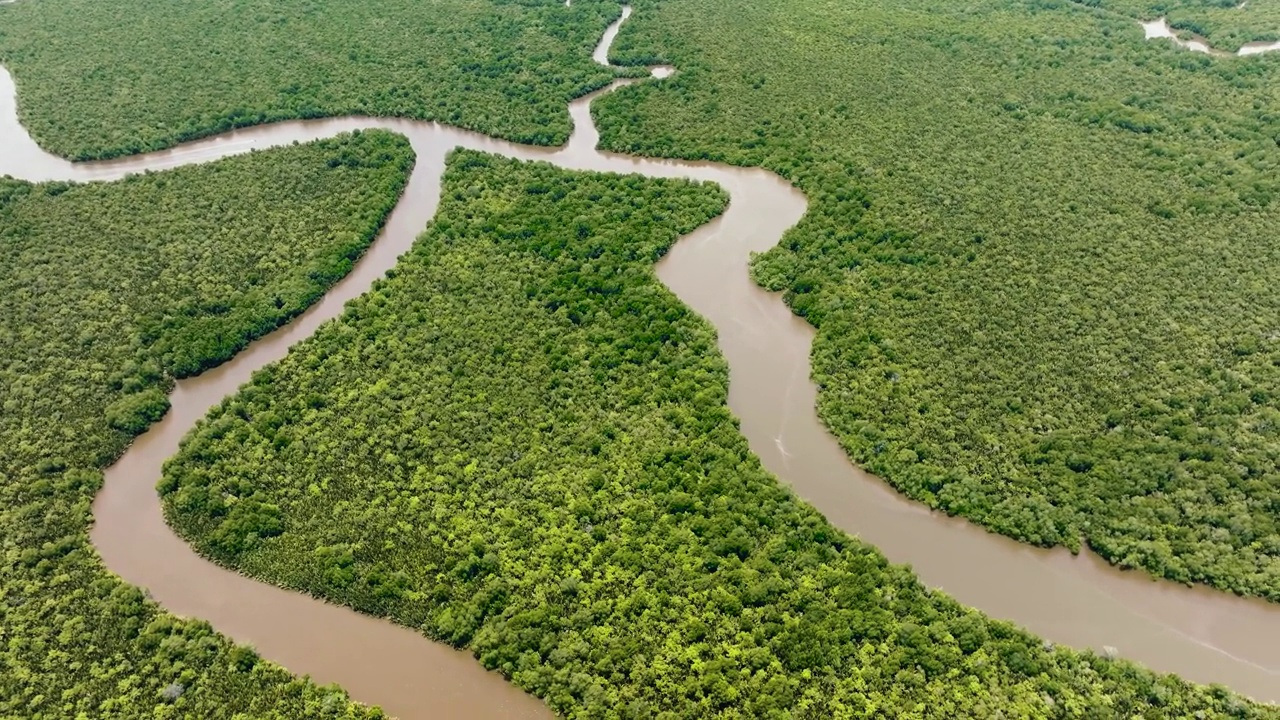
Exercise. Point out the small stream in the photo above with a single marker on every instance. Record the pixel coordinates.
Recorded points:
(1159, 28)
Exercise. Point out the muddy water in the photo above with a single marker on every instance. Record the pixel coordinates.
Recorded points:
(1077, 600)
(1159, 28)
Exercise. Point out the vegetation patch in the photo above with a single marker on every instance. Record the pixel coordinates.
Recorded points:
(520, 444)
(107, 291)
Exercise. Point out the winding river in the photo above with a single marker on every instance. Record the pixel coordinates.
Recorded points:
(1159, 28)
(1204, 635)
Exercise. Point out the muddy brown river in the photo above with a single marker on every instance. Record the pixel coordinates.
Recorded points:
(1081, 601)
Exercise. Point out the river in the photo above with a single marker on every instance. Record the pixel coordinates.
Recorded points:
(1204, 635)
(1159, 28)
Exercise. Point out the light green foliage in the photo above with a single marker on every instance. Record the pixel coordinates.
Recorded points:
(106, 291)
(1040, 255)
(134, 412)
(1225, 23)
(99, 79)
(520, 444)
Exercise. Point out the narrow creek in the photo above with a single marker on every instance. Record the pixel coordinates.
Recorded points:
(1159, 28)
(1081, 601)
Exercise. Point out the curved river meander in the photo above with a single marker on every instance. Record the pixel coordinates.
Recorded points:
(1204, 635)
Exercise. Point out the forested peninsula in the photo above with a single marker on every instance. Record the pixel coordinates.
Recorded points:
(107, 292)
(519, 443)
(1040, 256)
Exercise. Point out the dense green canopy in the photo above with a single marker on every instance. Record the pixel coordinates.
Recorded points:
(1040, 255)
(107, 290)
(520, 443)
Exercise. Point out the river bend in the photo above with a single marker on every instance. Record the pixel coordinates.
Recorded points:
(1199, 633)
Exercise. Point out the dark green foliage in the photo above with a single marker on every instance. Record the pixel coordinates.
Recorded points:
(106, 292)
(1040, 255)
(520, 444)
(132, 413)
(103, 79)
